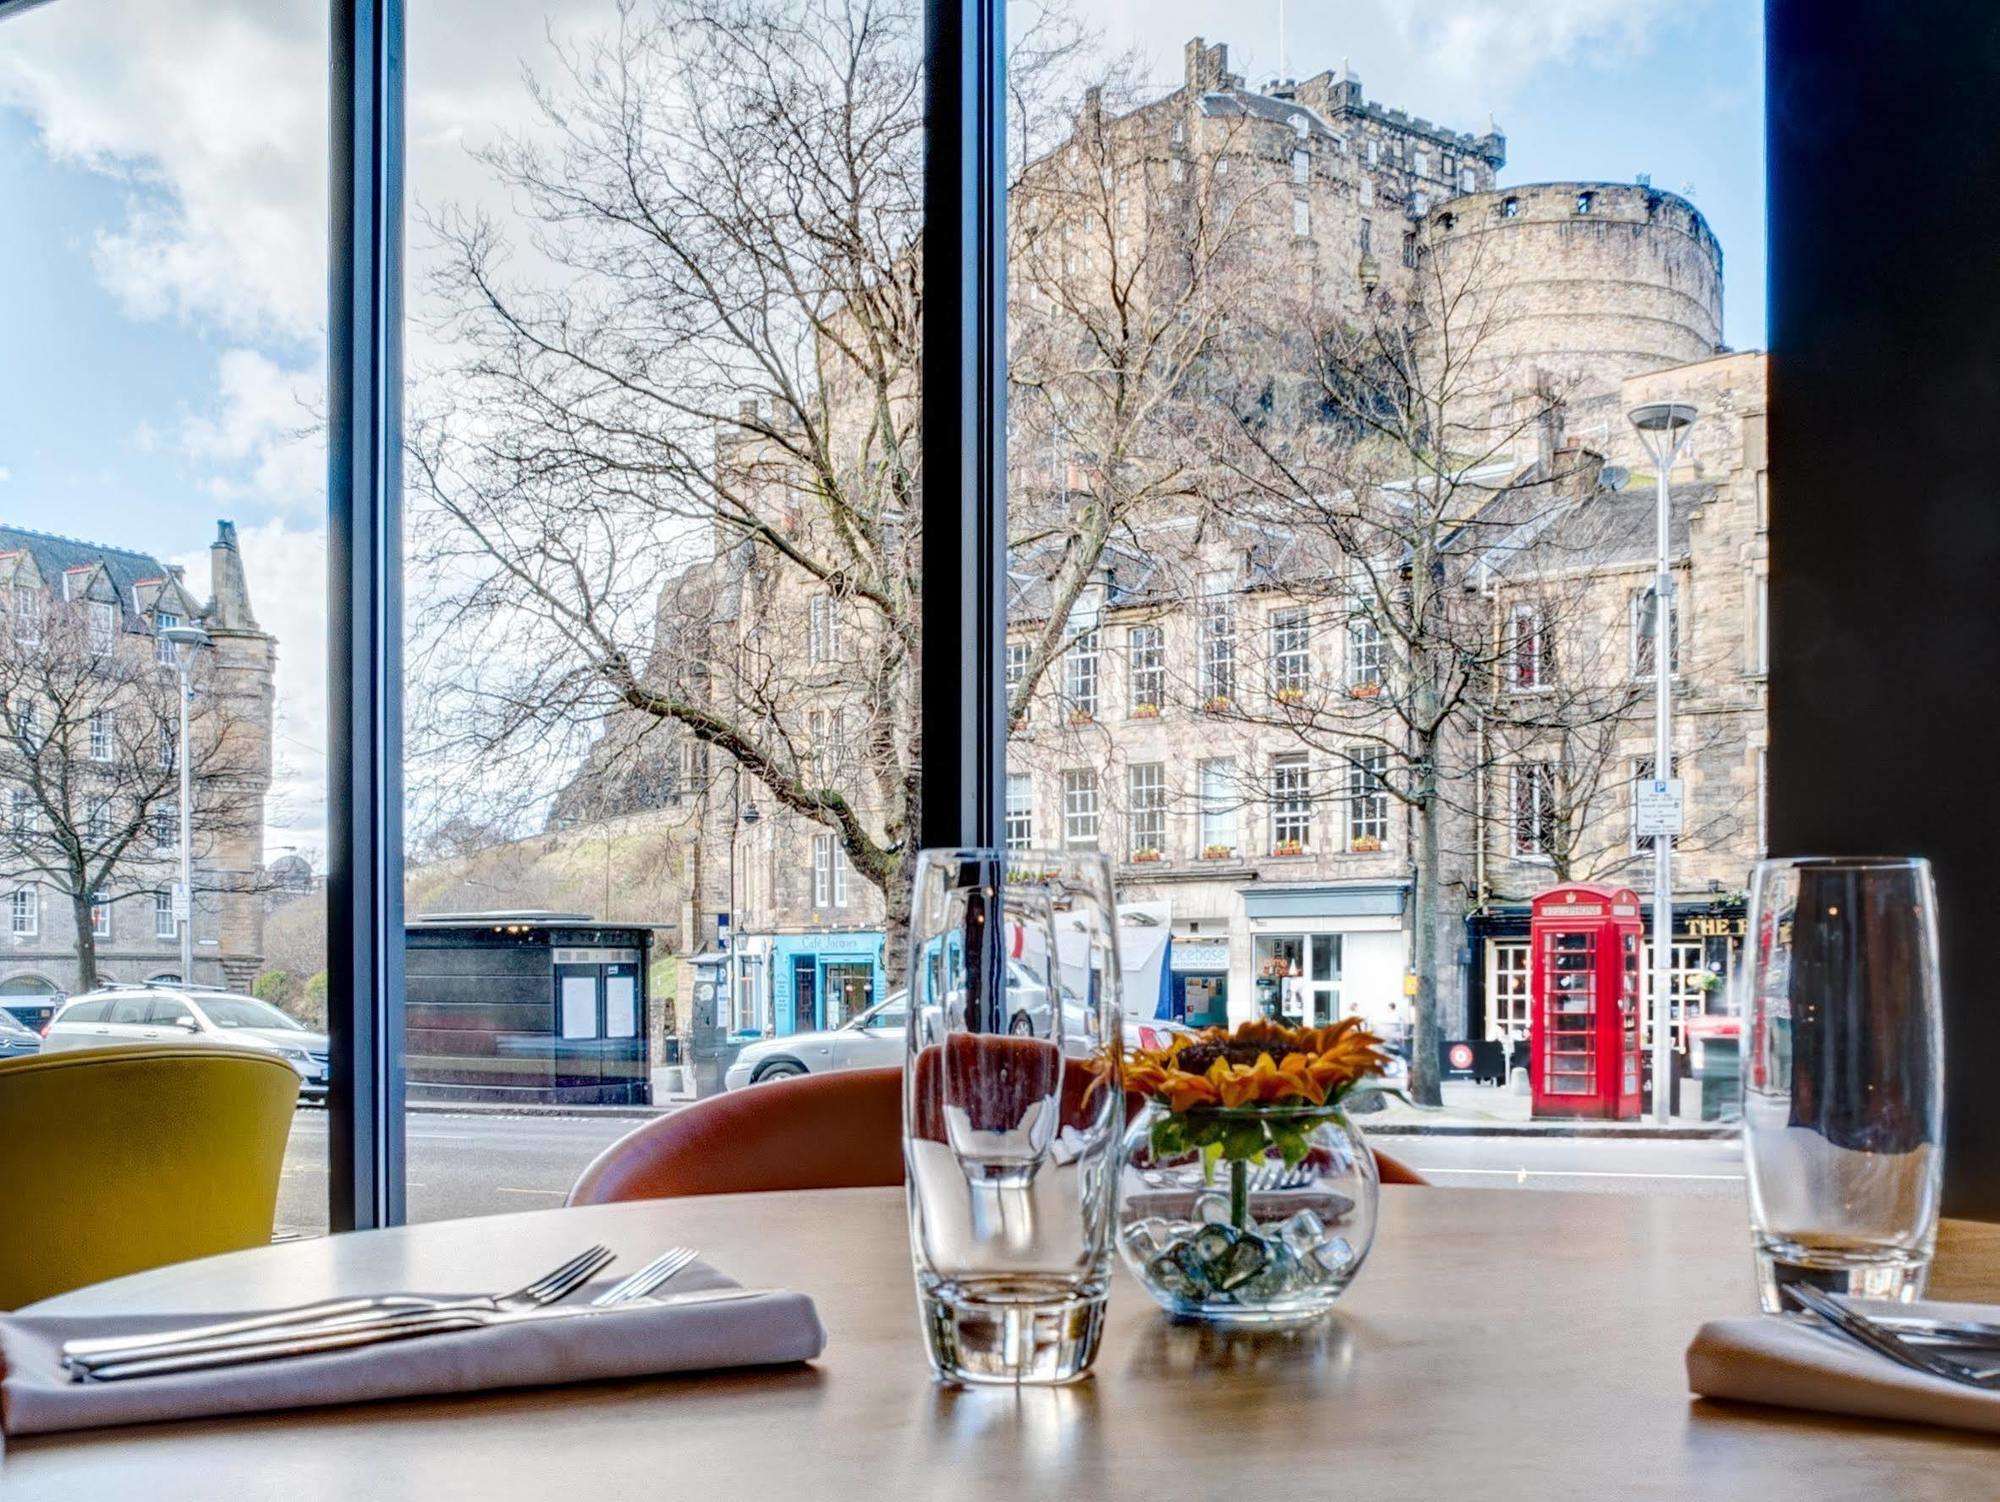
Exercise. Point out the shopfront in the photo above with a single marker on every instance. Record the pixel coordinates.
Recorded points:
(822, 980)
(1329, 950)
(1198, 980)
(1708, 940)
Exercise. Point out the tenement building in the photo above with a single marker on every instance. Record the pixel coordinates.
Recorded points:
(1331, 618)
(90, 768)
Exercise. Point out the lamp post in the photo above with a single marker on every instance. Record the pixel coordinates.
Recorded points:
(185, 640)
(1664, 429)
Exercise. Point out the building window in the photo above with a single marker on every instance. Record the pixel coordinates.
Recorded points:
(823, 630)
(1291, 653)
(1364, 655)
(1291, 805)
(166, 827)
(1367, 193)
(101, 740)
(1079, 791)
(1586, 201)
(1302, 167)
(1763, 644)
(20, 810)
(1020, 811)
(163, 622)
(1177, 170)
(1410, 250)
(1468, 180)
(1146, 809)
(100, 920)
(169, 748)
(1017, 674)
(1146, 654)
(1420, 163)
(164, 924)
(1374, 151)
(1763, 804)
(1080, 677)
(25, 912)
(1367, 798)
(1218, 645)
(1302, 222)
(97, 819)
(103, 626)
(829, 872)
(1528, 664)
(27, 615)
(1418, 204)
(1218, 806)
(1642, 611)
(27, 726)
(1508, 993)
(1367, 238)
(1642, 771)
(1535, 809)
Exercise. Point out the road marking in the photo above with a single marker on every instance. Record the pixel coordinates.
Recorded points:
(506, 1189)
(1577, 1173)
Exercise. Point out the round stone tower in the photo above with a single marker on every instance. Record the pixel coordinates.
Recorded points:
(1568, 288)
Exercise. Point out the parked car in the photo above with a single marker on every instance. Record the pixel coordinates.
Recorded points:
(16, 1041)
(189, 1014)
(874, 1040)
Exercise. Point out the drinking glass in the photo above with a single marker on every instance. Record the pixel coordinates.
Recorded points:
(1013, 1104)
(1843, 1080)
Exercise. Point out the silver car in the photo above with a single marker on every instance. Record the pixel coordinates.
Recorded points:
(875, 1040)
(17, 1041)
(188, 1014)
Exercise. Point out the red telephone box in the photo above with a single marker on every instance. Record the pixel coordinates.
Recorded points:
(1584, 984)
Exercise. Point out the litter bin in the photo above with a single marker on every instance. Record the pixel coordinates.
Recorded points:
(1715, 1058)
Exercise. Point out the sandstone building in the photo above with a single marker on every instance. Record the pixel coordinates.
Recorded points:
(90, 765)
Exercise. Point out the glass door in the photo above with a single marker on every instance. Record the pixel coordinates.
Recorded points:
(1323, 979)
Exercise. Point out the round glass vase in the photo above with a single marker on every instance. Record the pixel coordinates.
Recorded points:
(1254, 1215)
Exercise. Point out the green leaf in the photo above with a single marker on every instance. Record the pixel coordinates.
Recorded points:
(1169, 1137)
(1291, 1138)
(1243, 1140)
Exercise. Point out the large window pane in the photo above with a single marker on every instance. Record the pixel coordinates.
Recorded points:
(1318, 406)
(663, 543)
(161, 469)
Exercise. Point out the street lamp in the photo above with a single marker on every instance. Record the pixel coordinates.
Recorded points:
(1664, 429)
(185, 640)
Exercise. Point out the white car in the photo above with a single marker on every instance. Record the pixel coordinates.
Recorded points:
(875, 1040)
(188, 1014)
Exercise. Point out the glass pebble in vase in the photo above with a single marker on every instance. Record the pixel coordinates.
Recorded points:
(1253, 1215)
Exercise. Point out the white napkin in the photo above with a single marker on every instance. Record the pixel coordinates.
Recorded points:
(629, 1340)
(1788, 1363)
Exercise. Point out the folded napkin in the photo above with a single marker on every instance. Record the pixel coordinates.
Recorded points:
(630, 1340)
(1790, 1364)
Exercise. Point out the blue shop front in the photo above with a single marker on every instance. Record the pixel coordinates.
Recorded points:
(821, 980)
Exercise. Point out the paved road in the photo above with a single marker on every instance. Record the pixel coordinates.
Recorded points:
(1592, 1164)
(490, 1165)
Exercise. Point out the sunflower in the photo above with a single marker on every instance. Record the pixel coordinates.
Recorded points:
(1260, 1064)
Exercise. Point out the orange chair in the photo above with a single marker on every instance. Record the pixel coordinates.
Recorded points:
(819, 1131)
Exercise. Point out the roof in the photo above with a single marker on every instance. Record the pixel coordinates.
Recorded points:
(1602, 530)
(56, 556)
(1263, 107)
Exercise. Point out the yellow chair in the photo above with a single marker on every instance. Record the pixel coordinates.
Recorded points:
(113, 1160)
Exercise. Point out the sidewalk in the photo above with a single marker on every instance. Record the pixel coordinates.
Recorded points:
(1471, 1110)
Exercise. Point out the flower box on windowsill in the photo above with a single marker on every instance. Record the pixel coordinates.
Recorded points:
(1082, 717)
(1218, 852)
(1288, 848)
(1145, 711)
(1365, 691)
(1217, 705)
(1147, 855)
(1365, 844)
(1290, 696)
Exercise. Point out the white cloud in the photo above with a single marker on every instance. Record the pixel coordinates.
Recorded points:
(6, 474)
(263, 438)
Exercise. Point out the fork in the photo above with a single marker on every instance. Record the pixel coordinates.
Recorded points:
(632, 1290)
(1864, 1331)
(557, 1283)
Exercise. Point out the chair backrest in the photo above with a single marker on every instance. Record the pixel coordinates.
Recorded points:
(817, 1131)
(114, 1160)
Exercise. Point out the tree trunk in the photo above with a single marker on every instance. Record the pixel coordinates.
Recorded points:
(896, 894)
(1424, 948)
(86, 942)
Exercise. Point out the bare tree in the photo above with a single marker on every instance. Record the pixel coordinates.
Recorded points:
(89, 728)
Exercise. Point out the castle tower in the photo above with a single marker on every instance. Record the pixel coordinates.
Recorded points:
(245, 659)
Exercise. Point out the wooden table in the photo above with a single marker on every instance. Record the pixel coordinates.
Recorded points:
(1498, 1344)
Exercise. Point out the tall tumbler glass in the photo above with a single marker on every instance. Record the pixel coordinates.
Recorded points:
(1843, 1078)
(1013, 1105)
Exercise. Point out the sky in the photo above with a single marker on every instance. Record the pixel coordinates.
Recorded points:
(162, 167)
